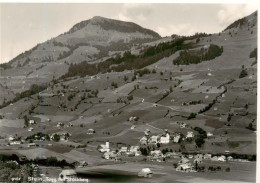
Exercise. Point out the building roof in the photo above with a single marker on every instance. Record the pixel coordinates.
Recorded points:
(68, 172)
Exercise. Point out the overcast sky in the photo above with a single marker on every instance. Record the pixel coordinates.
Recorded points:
(22, 26)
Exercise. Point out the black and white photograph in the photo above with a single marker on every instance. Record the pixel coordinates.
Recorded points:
(128, 92)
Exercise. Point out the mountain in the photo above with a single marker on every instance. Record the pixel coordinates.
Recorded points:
(88, 40)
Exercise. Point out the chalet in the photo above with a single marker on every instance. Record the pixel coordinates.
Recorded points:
(197, 160)
(209, 134)
(31, 122)
(207, 156)
(145, 172)
(123, 150)
(190, 134)
(144, 140)
(104, 147)
(109, 155)
(156, 153)
(185, 168)
(30, 129)
(230, 158)
(60, 124)
(70, 125)
(154, 139)
(31, 145)
(222, 158)
(91, 131)
(135, 150)
(184, 161)
(176, 138)
(133, 127)
(165, 139)
(11, 138)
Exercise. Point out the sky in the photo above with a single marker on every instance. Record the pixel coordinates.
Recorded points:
(23, 25)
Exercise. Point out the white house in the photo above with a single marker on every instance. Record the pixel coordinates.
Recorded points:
(30, 129)
(165, 139)
(135, 150)
(209, 134)
(104, 147)
(123, 150)
(222, 158)
(156, 153)
(176, 138)
(185, 168)
(31, 122)
(109, 155)
(11, 138)
(90, 131)
(154, 139)
(144, 140)
(190, 134)
(207, 156)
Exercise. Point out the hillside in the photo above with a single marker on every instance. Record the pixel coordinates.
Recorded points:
(205, 85)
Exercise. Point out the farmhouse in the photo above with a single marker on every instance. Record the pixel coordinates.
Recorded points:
(190, 134)
(104, 147)
(156, 153)
(135, 150)
(109, 155)
(165, 139)
(154, 139)
(176, 138)
(31, 122)
(185, 168)
(11, 138)
(30, 129)
(123, 150)
(144, 140)
(91, 131)
(209, 134)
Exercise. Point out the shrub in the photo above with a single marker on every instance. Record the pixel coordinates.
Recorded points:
(243, 73)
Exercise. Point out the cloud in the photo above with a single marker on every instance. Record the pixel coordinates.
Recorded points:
(180, 29)
(229, 13)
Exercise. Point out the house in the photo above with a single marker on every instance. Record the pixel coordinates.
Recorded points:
(133, 127)
(214, 158)
(104, 147)
(183, 125)
(11, 138)
(132, 118)
(70, 125)
(91, 131)
(147, 132)
(31, 122)
(185, 168)
(209, 134)
(176, 138)
(190, 156)
(123, 149)
(135, 150)
(15, 142)
(60, 124)
(165, 139)
(190, 134)
(144, 140)
(207, 156)
(109, 155)
(67, 174)
(184, 161)
(156, 153)
(197, 160)
(154, 139)
(31, 145)
(200, 156)
(145, 172)
(222, 158)
(30, 129)
(230, 158)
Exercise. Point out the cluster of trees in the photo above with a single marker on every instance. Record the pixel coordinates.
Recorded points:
(195, 57)
(33, 90)
(128, 61)
(253, 54)
(192, 115)
(202, 134)
(193, 102)
(38, 136)
(243, 73)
